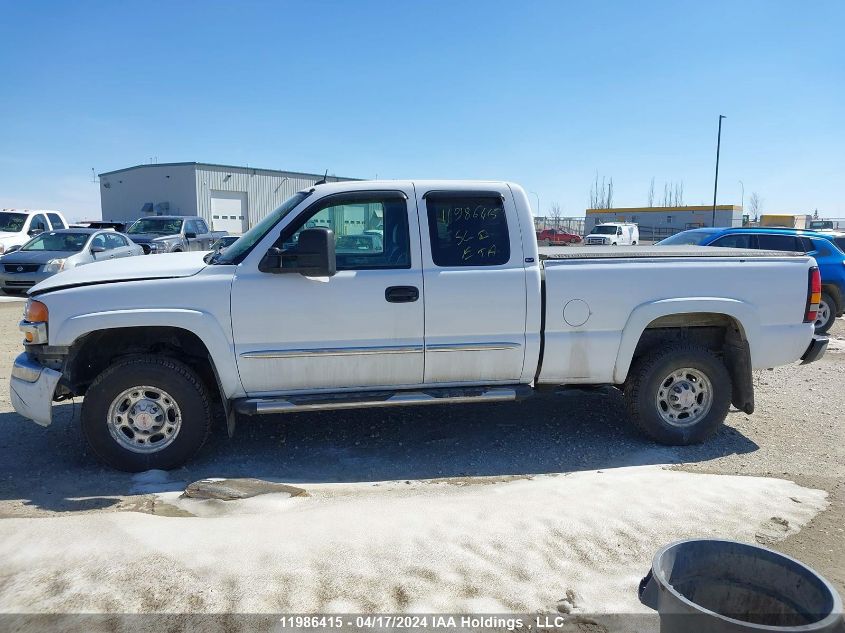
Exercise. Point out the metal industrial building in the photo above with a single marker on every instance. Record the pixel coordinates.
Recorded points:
(659, 222)
(229, 198)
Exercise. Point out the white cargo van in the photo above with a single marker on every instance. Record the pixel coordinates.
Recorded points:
(613, 233)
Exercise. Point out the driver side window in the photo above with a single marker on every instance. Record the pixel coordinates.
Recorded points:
(369, 233)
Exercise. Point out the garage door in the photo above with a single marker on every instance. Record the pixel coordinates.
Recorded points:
(229, 211)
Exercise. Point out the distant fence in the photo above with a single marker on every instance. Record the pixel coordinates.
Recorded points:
(570, 225)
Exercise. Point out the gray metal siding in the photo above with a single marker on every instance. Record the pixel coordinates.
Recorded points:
(265, 190)
(124, 194)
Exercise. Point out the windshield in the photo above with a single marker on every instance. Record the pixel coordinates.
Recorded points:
(604, 230)
(68, 242)
(840, 242)
(12, 222)
(241, 248)
(156, 226)
(686, 238)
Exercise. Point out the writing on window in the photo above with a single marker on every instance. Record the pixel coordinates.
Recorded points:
(467, 230)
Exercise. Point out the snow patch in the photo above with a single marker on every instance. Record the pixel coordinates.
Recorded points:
(579, 542)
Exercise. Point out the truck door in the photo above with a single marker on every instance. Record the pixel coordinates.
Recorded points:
(192, 237)
(361, 328)
(204, 235)
(475, 287)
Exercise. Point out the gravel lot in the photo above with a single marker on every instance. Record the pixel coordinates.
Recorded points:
(796, 434)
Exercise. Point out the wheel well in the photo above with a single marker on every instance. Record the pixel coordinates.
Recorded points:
(92, 353)
(720, 333)
(834, 292)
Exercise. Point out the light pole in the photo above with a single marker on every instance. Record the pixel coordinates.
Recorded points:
(742, 200)
(716, 182)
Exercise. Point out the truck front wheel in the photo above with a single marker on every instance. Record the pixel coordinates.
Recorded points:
(146, 412)
(679, 395)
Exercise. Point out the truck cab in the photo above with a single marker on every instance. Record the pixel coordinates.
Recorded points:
(613, 234)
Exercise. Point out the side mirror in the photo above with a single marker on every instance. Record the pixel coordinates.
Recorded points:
(35, 231)
(97, 249)
(190, 235)
(312, 256)
(12, 249)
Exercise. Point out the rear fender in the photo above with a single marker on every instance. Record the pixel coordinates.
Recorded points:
(645, 313)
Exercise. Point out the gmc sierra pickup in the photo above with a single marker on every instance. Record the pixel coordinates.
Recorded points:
(441, 297)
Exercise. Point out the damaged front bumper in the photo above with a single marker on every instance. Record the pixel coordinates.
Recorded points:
(32, 387)
(816, 350)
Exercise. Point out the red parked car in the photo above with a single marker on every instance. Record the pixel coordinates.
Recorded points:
(556, 237)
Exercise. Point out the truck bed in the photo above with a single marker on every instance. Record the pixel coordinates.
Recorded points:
(629, 252)
(598, 301)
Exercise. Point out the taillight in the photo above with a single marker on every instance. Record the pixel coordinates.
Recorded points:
(814, 296)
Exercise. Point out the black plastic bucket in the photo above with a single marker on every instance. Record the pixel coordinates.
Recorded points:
(712, 586)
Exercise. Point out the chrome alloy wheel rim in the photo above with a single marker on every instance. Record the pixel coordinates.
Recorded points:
(823, 314)
(144, 419)
(684, 397)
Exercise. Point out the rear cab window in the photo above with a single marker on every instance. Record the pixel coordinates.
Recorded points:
(56, 221)
(467, 229)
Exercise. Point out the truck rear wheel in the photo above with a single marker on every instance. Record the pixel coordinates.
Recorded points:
(679, 395)
(146, 412)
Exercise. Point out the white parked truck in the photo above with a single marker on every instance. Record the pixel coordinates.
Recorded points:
(613, 234)
(18, 226)
(454, 305)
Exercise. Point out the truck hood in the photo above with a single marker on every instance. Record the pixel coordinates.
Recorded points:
(146, 238)
(6, 234)
(138, 268)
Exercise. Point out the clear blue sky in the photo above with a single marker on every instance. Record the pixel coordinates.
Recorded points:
(542, 93)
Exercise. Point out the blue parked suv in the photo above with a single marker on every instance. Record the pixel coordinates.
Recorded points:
(825, 247)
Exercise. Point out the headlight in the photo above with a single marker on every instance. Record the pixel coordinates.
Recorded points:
(2, 249)
(154, 247)
(54, 265)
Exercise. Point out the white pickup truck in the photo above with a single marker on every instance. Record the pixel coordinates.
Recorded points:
(377, 294)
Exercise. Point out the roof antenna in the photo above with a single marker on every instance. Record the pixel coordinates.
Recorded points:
(323, 181)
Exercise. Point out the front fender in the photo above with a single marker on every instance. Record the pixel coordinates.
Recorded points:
(744, 313)
(201, 323)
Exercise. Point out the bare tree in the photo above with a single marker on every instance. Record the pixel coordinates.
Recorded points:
(555, 214)
(755, 205)
(651, 193)
(601, 194)
(678, 197)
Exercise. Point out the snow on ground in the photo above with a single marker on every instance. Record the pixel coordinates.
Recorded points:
(465, 545)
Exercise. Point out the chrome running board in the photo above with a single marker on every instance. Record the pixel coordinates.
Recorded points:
(373, 399)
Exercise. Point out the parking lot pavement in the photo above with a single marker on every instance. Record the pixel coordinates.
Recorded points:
(796, 434)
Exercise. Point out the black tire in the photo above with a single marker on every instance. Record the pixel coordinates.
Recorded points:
(648, 374)
(832, 310)
(178, 380)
